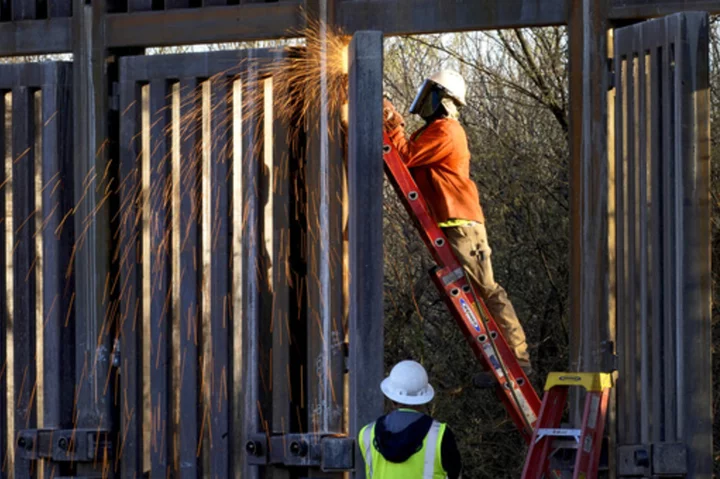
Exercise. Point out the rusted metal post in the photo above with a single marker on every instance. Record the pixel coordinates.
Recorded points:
(365, 175)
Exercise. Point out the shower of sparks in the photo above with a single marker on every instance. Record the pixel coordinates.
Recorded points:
(194, 157)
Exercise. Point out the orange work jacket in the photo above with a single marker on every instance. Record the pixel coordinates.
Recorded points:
(439, 160)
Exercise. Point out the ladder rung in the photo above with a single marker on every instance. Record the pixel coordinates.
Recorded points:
(550, 432)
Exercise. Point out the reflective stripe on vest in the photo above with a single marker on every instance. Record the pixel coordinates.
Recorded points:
(368, 448)
(431, 450)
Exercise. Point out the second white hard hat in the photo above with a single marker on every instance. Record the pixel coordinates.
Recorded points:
(408, 384)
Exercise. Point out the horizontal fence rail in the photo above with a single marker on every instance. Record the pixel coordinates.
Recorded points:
(45, 26)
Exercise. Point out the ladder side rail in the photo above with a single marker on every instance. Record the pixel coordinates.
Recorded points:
(523, 410)
(537, 462)
(593, 427)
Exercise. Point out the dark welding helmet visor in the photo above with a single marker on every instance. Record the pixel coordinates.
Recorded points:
(428, 99)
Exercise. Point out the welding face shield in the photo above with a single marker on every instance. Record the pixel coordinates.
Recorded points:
(427, 100)
(430, 97)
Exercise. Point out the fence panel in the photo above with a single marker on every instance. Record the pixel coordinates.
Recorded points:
(198, 169)
(37, 320)
(662, 247)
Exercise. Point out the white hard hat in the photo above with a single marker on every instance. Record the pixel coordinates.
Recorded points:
(445, 84)
(408, 384)
(453, 83)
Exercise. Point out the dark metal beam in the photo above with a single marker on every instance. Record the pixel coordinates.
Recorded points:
(204, 25)
(277, 20)
(31, 37)
(396, 17)
(641, 10)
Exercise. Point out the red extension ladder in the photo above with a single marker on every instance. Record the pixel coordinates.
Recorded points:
(468, 310)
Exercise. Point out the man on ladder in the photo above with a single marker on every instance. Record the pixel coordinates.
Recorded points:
(438, 157)
(407, 443)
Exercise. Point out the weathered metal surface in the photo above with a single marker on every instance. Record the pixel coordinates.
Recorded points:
(24, 326)
(588, 186)
(395, 17)
(365, 177)
(642, 9)
(662, 243)
(221, 24)
(36, 120)
(324, 280)
(194, 125)
(93, 299)
(135, 23)
(36, 36)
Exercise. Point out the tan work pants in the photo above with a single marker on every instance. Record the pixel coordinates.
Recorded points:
(471, 247)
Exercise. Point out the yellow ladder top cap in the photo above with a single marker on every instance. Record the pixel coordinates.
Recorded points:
(590, 381)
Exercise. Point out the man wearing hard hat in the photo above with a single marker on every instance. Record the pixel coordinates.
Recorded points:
(438, 158)
(407, 444)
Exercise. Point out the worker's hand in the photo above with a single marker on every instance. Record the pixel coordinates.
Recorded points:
(391, 118)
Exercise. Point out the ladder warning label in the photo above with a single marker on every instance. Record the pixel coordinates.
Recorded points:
(592, 417)
(490, 353)
(587, 447)
(527, 411)
(469, 314)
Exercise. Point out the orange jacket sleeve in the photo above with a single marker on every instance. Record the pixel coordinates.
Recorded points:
(432, 145)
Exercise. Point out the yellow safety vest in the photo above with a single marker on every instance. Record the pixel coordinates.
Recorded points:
(424, 464)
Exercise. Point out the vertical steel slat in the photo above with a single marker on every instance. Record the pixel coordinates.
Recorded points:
(54, 259)
(188, 318)
(4, 372)
(160, 316)
(250, 314)
(220, 277)
(58, 240)
(656, 247)
(669, 246)
(280, 204)
(131, 411)
(643, 206)
(631, 258)
(678, 36)
(325, 274)
(23, 10)
(696, 406)
(620, 65)
(237, 202)
(24, 334)
(279, 208)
